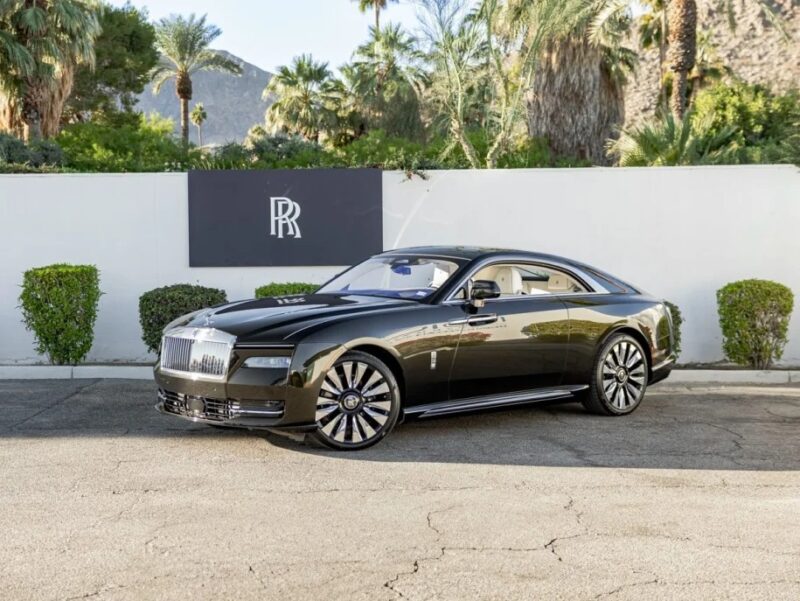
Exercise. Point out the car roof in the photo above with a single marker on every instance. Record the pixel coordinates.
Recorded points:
(475, 252)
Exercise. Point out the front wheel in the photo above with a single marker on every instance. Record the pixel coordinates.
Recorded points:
(619, 378)
(358, 404)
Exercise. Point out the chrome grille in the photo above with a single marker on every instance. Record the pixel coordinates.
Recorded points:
(200, 351)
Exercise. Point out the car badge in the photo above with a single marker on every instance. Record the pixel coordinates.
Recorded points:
(209, 322)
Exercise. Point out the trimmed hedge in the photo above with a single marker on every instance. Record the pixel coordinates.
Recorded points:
(157, 308)
(754, 317)
(284, 289)
(59, 305)
(677, 322)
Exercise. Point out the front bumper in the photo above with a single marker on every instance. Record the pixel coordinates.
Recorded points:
(248, 398)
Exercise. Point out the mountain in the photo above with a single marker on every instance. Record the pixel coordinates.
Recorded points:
(233, 104)
(755, 51)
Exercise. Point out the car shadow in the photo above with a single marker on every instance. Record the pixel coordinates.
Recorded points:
(720, 429)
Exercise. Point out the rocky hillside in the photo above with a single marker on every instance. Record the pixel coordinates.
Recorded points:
(233, 104)
(755, 51)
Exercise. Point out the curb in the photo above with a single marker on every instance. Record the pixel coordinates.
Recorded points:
(67, 372)
(732, 376)
(145, 372)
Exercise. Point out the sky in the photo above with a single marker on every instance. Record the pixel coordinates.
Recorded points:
(269, 33)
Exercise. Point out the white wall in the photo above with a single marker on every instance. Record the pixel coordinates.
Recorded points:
(680, 233)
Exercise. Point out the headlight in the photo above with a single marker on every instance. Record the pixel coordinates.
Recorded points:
(268, 362)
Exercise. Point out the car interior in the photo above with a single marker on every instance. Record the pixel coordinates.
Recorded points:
(521, 279)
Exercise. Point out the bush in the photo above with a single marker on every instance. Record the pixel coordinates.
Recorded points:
(39, 153)
(160, 306)
(754, 317)
(59, 305)
(138, 144)
(677, 322)
(761, 121)
(283, 289)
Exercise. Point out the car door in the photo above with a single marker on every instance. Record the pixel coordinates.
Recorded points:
(513, 343)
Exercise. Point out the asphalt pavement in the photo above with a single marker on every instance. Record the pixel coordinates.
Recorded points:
(694, 496)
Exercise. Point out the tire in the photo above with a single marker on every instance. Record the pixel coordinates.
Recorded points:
(358, 404)
(619, 377)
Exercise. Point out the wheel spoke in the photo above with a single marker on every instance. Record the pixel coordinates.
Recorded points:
(341, 429)
(381, 388)
(632, 392)
(335, 381)
(361, 369)
(634, 359)
(376, 415)
(332, 425)
(347, 368)
(374, 379)
(368, 430)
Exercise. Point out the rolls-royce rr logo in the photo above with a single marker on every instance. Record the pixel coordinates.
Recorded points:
(283, 213)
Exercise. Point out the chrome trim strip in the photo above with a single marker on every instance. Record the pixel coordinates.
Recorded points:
(663, 364)
(266, 347)
(485, 402)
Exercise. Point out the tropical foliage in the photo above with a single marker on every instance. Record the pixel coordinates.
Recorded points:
(734, 124)
(481, 83)
(125, 57)
(141, 144)
(184, 43)
(42, 43)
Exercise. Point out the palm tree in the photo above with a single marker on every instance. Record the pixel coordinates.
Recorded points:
(576, 101)
(199, 117)
(682, 36)
(184, 46)
(304, 95)
(682, 28)
(377, 6)
(41, 43)
(389, 61)
(672, 141)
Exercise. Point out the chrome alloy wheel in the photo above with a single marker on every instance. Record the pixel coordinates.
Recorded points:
(354, 404)
(624, 374)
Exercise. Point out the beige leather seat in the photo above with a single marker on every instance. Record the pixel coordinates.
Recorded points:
(558, 283)
(509, 280)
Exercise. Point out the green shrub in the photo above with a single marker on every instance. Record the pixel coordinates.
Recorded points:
(283, 289)
(59, 305)
(13, 150)
(45, 152)
(157, 308)
(139, 144)
(37, 154)
(677, 322)
(761, 121)
(754, 317)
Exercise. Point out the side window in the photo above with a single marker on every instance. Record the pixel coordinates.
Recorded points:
(520, 279)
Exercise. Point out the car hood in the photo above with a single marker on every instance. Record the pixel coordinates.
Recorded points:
(252, 320)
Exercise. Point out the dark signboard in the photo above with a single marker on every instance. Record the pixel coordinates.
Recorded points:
(284, 217)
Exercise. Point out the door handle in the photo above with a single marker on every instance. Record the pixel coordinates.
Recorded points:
(479, 319)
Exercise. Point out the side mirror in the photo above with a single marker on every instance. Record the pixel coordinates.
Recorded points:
(482, 290)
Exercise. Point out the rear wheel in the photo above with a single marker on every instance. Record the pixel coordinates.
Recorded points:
(619, 378)
(358, 404)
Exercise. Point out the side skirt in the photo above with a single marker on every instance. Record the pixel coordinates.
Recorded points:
(495, 400)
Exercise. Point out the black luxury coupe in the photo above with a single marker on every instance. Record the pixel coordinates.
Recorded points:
(417, 332)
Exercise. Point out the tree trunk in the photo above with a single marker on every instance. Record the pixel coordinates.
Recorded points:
(574, 102)
(378, 17)
(200, 134)
(682, 50)
(183, 89)
(32, 120)
(662, 55)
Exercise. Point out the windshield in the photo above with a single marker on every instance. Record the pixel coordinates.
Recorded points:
(409, 277)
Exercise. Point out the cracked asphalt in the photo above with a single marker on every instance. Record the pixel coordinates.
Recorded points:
(694, 496)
